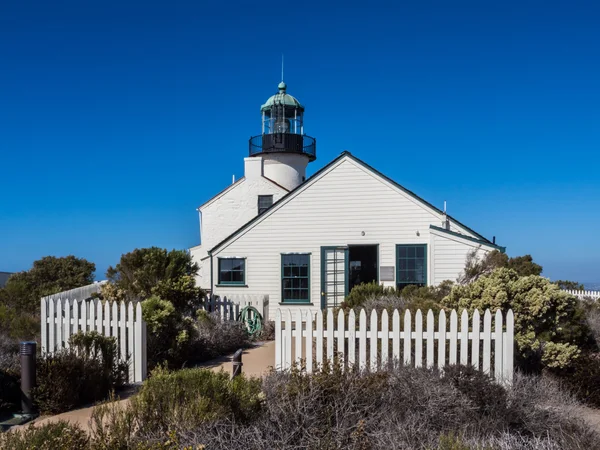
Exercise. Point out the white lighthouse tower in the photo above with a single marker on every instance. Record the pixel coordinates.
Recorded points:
(283, 147)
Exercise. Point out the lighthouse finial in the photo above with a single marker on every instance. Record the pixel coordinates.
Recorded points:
(282, 67)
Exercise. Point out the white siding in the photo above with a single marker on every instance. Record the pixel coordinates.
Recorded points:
(336, 208)
(450, 253)
(227, 213)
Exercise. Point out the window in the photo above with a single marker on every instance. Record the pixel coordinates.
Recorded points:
(411, 265)
(264, 203)
(295, 278)
(232, 271)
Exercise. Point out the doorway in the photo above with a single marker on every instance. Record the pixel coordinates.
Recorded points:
(363, 264)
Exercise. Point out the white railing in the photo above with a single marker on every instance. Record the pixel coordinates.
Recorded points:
(61, 318)
(595, 295)
(305, 338)
(229, 306)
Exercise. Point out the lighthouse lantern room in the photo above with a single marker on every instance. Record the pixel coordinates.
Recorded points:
(283, 146)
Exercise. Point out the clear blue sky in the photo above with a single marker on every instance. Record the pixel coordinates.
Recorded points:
(117, 119)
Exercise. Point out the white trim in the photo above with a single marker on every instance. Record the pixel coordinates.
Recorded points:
(460, 239)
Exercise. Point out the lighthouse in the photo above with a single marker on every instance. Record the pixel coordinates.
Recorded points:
(283, 147)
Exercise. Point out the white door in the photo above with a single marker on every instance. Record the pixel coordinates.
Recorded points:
(333, 276)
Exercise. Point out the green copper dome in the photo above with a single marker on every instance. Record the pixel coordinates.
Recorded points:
(282, 98)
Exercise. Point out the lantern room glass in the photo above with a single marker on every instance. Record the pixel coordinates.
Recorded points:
(283, 119)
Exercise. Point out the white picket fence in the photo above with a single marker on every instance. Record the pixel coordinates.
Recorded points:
(229, 306)
(62, 318)
(304, 340)
(595, 295)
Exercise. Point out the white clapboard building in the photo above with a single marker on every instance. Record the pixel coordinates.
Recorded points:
(299, 241)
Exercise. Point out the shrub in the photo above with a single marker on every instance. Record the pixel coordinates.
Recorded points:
(216, 337)
(170, 334)
(180, 400)
(51, 436)
(360, 293)
(78, 376)
(267, 333)
(404, 408)
(10, 368)
(583, 378)
(550, 328)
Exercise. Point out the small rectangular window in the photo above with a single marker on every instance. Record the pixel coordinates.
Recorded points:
(295, 278)
(264, 203)
(232, 271)
(411, 265)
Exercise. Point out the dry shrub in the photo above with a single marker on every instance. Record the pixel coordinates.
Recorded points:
(178, 400)
(267, 333)
(402, 409)
(51, 436)
(405, 408)
(216, 337)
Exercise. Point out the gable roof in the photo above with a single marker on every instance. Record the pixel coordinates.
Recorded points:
(315, 176)
(468, 238)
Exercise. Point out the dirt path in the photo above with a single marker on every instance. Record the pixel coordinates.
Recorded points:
(256, 362)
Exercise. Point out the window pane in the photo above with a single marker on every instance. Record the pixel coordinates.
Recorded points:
(420, 252)
(238, 277)
(225, 276)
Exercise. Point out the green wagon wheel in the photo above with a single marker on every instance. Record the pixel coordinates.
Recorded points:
(252, 319)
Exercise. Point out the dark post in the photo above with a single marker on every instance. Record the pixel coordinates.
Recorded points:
(237, 363)
(28, 353)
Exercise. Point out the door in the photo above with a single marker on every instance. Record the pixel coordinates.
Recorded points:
(334, 279)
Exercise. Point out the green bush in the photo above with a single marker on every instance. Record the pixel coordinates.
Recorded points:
(192, 396)
(550, 327)
(170, 334)
(51, 436)
(84, 374)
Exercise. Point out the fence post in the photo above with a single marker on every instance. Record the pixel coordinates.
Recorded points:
(237, 364)
(278, 338)
(44, 322)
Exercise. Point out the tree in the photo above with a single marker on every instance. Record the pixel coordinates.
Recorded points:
(145, 272)
(476, 267)
(569, 285)
(164, 282)
(524, 266)
(48, 275)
